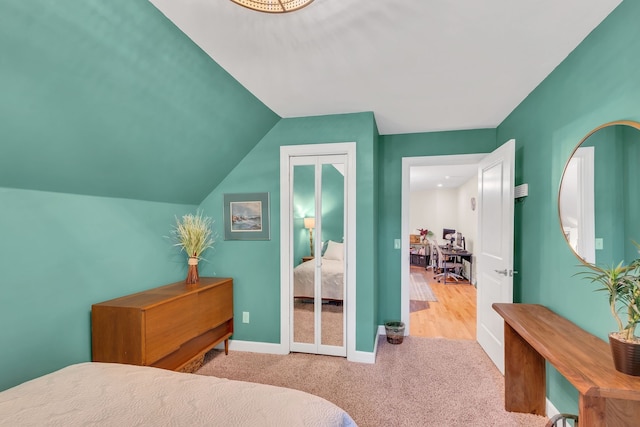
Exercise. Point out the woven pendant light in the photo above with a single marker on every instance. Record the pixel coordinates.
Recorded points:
(273, 6)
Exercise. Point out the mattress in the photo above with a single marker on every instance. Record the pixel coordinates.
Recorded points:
(332, 273)
(125, 395)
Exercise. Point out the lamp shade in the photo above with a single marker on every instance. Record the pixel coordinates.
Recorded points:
(309, 223)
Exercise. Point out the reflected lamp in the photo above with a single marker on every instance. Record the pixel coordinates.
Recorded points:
(310, 224)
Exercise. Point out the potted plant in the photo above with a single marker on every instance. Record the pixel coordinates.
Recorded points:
(424, 234)
(622, 283)
(193, 235)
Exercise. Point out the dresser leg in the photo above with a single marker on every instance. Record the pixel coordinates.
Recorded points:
(226, 346)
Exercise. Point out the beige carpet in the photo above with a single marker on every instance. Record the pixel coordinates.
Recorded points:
(421, 382)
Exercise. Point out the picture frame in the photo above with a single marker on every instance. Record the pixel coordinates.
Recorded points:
(246, 216)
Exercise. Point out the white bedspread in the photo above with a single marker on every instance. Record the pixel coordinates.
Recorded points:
(124, 395)
(332, 279)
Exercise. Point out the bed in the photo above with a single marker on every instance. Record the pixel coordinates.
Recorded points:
(332, 272)
(116, 394)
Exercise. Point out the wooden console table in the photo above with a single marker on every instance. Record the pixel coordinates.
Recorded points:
(533, 333)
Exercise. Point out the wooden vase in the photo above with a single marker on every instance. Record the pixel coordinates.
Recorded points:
(192, 272)
(626, 355)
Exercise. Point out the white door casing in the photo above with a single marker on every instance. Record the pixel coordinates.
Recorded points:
(494, 248)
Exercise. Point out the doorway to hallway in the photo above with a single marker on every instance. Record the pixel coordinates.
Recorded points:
(450, 312)
(494, 252)
(458, 176)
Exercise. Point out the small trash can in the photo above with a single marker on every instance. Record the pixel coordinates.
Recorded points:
(395, 332)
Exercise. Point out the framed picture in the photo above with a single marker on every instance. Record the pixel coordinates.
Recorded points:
(246, 216)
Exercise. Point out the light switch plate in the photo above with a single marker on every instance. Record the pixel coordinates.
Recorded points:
(599, 243)
(396, 244)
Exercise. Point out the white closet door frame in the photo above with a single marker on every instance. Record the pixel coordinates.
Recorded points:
(286, 249)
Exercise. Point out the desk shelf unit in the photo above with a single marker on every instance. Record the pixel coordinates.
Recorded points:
(416, 258)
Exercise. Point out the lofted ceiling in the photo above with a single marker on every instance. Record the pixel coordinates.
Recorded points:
(419, 66)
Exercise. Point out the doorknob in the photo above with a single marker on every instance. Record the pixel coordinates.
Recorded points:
(503, 272)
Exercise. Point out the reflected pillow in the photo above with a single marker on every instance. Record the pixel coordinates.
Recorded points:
(334, 250)
(324, 246)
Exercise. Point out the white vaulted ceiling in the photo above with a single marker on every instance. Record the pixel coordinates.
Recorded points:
(418, 65)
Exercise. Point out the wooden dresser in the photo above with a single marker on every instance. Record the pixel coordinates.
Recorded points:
(168, 327)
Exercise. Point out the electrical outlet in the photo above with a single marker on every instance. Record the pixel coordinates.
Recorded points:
(245, 317)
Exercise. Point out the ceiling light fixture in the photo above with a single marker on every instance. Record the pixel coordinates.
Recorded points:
(273, 6)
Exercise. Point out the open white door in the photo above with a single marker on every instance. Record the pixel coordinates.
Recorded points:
(495, 247)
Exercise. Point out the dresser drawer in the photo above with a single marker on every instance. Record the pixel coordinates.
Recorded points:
(167, 326)
(215, 306)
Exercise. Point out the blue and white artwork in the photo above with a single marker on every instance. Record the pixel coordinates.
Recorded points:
(246, 216)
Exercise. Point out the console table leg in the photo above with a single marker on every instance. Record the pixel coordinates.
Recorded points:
(592, 411)
(524, 375)
(226, 346)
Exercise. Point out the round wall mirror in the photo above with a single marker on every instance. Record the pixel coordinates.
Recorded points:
(599, 196)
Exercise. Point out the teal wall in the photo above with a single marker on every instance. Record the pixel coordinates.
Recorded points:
(597, 83)
(392, 149)
(100, 99)
(630, 192)
(60, 253)
(255, 265)
(109, 98)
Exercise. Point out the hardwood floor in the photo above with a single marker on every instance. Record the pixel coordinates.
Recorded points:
(452, 316)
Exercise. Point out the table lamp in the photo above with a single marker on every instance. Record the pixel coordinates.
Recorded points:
(310, 224)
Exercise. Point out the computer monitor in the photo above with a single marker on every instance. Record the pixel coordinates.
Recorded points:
(446, 231)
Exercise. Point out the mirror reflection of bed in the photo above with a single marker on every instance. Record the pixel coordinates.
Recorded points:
(332, 288)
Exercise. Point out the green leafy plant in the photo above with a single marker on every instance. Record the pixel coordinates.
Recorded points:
(193, 235)
(622, 283)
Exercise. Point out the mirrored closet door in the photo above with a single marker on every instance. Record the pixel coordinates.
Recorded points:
(318, 297)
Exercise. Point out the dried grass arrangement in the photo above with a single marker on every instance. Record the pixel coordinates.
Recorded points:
(194, 236)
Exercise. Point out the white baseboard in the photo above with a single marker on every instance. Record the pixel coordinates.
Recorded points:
(366, 356)
(254, 347)
(552, 411)
(272, 348)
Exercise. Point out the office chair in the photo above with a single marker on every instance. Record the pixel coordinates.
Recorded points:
(433, 257)
(449, 268)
